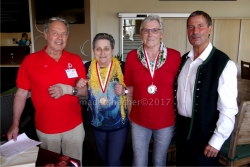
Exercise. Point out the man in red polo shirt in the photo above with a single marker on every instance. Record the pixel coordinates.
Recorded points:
(51, 75)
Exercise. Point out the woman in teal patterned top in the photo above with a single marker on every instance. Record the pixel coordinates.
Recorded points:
(107, 111)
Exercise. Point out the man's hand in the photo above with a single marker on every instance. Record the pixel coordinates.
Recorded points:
(81, 83)
(13, 132)
(18, 106)
(210, 151)
(58, 90)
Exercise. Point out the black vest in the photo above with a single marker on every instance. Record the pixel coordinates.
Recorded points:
(205, 96)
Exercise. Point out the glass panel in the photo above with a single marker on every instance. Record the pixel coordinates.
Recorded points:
(130, 35)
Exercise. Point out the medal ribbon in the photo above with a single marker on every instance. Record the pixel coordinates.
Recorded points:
(151, 70)
(103, 86)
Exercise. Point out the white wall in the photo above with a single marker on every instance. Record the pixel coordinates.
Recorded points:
(104, 12)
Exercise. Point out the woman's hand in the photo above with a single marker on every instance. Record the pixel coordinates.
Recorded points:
(119, 89)
(81, 83)
(58, 90)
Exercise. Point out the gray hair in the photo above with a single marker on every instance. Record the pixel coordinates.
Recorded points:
(52, 19)
(104, 36)
(151, 18)
(202, 13)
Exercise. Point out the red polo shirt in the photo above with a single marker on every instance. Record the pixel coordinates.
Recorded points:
(154, 111)
(37, 73)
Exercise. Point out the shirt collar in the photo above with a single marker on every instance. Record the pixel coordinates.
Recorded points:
(203, 56)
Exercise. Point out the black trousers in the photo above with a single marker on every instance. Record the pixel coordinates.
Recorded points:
(191, 152)
(110, 145)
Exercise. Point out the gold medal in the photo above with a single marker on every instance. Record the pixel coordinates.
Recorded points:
(104, 101)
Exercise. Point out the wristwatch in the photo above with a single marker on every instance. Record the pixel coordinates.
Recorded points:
(126, 91)
(74, 92)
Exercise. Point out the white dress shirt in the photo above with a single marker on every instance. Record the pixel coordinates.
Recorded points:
(227, 90)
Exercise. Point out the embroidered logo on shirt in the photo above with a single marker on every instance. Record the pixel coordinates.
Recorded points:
(69, 65)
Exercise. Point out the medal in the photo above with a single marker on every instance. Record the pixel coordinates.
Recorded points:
(104, 101)
(152, 89)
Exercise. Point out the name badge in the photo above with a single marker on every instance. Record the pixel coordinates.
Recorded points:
(71, 73)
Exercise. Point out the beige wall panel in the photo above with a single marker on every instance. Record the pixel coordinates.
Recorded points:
(4, 37)
(189, 46)
(227, 36)
(104, 12)
(174, 34)
(244, 51)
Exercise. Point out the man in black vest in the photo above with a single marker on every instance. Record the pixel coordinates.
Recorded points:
(206, 92)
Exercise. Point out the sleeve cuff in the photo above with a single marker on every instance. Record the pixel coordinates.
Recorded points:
(216, 142)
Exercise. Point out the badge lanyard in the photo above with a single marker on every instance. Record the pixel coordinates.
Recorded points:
(103, 85)
(151, 70)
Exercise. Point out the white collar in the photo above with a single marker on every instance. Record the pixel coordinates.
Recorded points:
(203, 56)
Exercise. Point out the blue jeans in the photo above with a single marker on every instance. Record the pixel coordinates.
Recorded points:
(140, 140)
(110, 145)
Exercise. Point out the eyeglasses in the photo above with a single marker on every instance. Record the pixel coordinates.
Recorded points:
(57, 34)
(153, 30)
